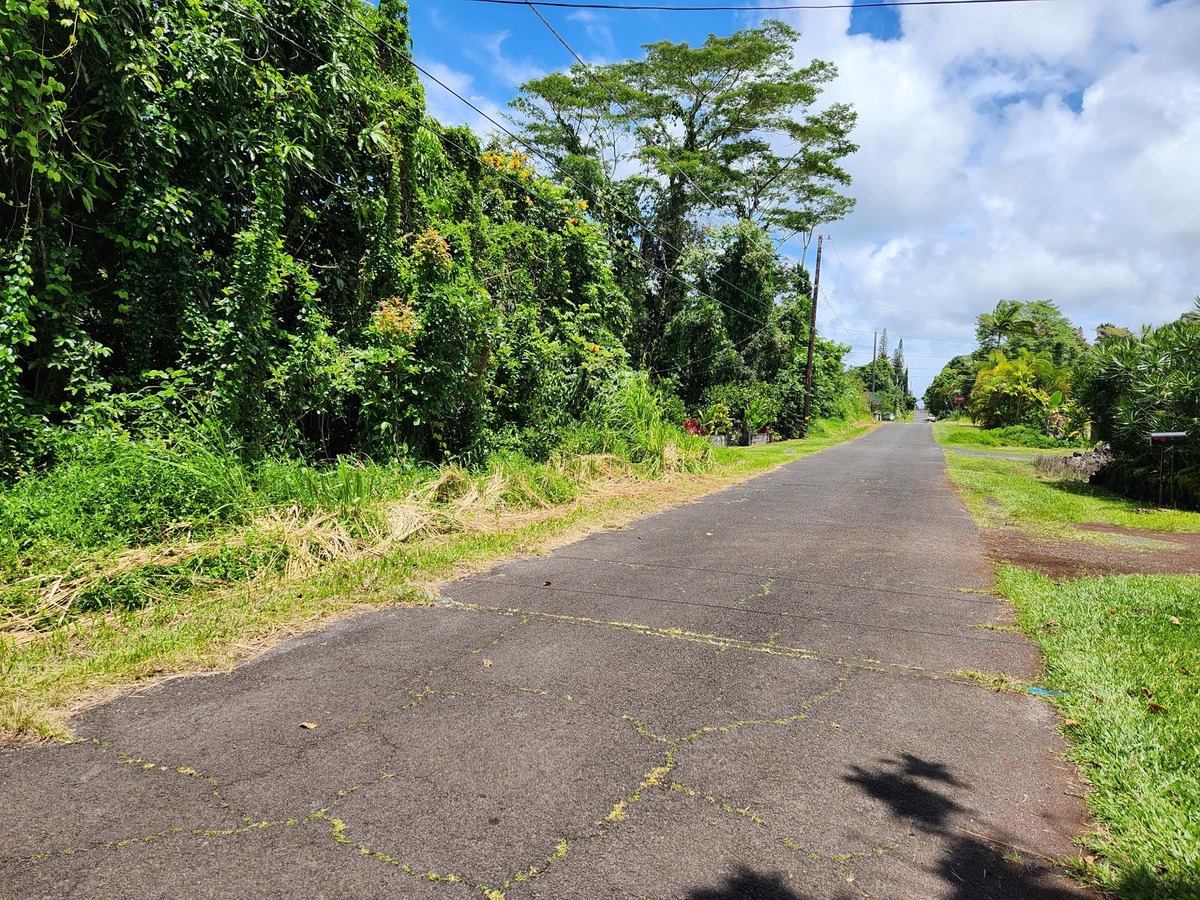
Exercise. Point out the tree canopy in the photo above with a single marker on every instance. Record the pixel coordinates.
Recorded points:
(727, 129)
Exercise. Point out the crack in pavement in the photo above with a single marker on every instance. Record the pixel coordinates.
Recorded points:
(818, 614)
(990, 599)
(771, 647)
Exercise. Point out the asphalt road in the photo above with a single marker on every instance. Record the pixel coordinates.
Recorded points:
(766, 693)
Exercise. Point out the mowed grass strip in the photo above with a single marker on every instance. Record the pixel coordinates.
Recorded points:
(1010, 493)
(998, 440)
(1125, 652)
(204, 606)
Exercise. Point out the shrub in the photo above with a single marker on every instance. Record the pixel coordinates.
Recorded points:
(109, 488)
(1138, 385)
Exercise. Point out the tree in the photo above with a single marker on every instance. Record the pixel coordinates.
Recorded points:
(902, 398)
(1037, 326)
(1107, 331)
(1017, 391)
(704, 123)
(956, 379)
(1136, 385)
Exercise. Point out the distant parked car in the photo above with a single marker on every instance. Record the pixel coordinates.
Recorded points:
(931, 418)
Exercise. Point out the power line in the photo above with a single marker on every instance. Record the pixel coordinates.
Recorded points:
(918, 337)
(559, 4)
(833, 310)
(849, 284)
(587, 70)
(537, 151)
(911, 312)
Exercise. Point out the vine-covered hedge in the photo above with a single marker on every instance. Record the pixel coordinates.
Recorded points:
(239, 212)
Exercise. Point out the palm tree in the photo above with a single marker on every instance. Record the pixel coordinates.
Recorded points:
(1000, 328)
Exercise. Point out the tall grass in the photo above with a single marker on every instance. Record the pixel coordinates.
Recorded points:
(627, 421)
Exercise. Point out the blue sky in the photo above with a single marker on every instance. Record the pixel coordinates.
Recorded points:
(1028, 151)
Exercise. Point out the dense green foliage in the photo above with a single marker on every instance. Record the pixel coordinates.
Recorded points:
(1034, 372)
(1009, 436)
(240, 216)
(1138, 385)
(717, 314)
(956, 379)
(886, 377)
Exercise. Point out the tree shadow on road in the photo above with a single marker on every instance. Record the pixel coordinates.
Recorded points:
(974, 866)
(746, 884)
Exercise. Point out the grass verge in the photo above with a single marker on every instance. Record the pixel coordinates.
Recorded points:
(1010, 493)
(101, 621)
(1124, 652)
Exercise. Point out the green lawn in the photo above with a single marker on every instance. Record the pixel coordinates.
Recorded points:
(1125, 653)
(1009, 493)
(1000, 440)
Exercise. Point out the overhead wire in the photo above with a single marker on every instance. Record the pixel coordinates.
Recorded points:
(833, 309)
(587, 70)
(911, 312)
(541, 155)
(849, 284)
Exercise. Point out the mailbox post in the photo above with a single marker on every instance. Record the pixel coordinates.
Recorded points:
(1164, 441)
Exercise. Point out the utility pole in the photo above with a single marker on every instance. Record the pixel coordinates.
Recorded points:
(812, 340)
(874, 355)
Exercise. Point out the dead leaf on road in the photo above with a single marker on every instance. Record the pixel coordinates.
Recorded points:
(487, 663)
(308, 724)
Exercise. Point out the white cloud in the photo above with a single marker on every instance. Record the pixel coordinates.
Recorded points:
(598, 32)
(978, 180)
(445, 93)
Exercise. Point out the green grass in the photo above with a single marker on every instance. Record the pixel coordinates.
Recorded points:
(1009, 493)
(1126, 652)
(998, 440)
(80, 617)
(752, 460)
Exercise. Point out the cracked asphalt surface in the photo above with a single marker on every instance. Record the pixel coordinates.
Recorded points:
(770, 692)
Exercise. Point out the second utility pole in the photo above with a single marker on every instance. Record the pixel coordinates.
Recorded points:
(812, 339)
